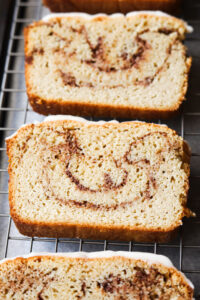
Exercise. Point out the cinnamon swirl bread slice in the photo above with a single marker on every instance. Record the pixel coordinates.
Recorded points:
(114, 66)
(97, 275)
(126, 181)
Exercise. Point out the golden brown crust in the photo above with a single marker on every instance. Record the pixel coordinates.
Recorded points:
(84, 108)
(70, 230)
(111, 6)
(54, 107)
(92, 232)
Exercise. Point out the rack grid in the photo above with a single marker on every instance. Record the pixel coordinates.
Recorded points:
(15, 111)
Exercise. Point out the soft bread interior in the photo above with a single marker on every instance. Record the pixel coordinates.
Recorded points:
(126, 175)
(131, 62)
(49, 277)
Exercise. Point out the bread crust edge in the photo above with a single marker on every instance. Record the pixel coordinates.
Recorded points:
(91, 232)
(110, 6)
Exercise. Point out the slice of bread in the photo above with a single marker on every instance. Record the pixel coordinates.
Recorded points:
(125, 181)
(111, 66)
(111, 6)
(98, 275)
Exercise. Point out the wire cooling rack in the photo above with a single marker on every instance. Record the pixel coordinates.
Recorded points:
(15, 111)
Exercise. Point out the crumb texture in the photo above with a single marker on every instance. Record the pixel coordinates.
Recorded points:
(46, 277)
(129, 62)
(127, 175)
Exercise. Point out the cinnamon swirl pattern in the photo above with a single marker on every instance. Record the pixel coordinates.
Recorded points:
(129, 175)
(95, 275)
(115, 62)
(70, 154)
(98, 56)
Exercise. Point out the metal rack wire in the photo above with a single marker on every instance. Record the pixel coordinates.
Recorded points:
(15, 111)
